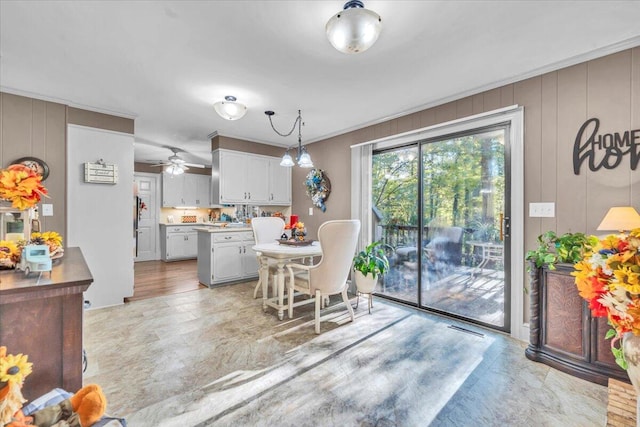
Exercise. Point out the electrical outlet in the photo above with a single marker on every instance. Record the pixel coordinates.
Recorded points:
(542, 210)
(310, 211)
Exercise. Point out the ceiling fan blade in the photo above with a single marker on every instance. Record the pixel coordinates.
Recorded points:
(194, 165)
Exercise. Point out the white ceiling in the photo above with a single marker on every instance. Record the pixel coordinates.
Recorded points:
(165, 63)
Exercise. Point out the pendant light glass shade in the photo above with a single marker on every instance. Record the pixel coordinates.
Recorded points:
(354, 29)
(230, 109)
(287, 160)
(305, 160)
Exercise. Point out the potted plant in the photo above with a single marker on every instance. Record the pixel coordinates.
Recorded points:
(369, 264)
(553, 249)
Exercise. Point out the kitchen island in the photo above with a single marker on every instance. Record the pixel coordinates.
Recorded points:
(42, 318)
(225, 255)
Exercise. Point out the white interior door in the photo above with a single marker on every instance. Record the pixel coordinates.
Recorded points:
(147, 232)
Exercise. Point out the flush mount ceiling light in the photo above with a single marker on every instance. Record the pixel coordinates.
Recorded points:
(354, 29)
(303, 158)
(230, 109)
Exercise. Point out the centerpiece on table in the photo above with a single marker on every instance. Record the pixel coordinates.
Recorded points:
(608, 277)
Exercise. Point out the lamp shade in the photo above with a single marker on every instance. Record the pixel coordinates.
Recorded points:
(230, 109)
(287, 160)
(305, 160)
(354, 29)
(620, 218)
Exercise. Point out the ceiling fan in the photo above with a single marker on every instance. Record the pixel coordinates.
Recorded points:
(175, 164)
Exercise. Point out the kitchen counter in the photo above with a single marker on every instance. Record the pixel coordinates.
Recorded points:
(227, 229)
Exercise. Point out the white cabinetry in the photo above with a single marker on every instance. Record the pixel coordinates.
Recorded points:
(186, 190)
(178, 242)
(226, 257)
(245, 178)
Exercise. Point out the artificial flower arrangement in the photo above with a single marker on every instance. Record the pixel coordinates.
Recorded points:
(51, 239)
(22, 186)
(298, 231)
(318, 187)
(9, 253)
(608, 277)
(13, 370)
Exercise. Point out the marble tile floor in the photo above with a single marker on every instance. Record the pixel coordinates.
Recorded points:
(213, 357)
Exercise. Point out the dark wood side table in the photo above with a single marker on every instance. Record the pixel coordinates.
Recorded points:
(563, 334)
(43, 319)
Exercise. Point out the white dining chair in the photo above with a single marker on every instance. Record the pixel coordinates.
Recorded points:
(266, 230)
(338, 240)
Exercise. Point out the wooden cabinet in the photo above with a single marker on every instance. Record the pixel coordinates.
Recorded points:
(178, 242)
(563, 334)
(186, 190)
(225, 257)
(43, 319)
(245, 178)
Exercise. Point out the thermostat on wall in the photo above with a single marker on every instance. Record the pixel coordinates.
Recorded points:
(100, 173)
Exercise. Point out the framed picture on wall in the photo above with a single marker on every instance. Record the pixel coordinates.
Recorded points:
(39, 166)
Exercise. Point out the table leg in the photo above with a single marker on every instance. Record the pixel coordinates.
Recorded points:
(280, 290)
(264, 279)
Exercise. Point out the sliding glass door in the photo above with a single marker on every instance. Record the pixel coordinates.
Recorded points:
(440, 209)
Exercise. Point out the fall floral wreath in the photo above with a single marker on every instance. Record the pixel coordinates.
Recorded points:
(318, 187)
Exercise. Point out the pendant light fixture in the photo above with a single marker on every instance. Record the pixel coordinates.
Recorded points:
(354, 29)
(302, 157)
(230, 109)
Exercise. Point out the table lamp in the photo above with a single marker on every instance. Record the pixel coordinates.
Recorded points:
(620, 218)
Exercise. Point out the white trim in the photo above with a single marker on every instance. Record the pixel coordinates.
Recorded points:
(66, 102)
(114, 132)
(555, 66)
(158, 205)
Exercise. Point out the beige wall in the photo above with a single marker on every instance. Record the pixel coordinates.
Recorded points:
(245, 146)
(555, 106)
(35, 128)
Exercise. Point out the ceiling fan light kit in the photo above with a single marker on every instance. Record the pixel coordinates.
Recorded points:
(175, 164)
(230, 109)
(354, 29)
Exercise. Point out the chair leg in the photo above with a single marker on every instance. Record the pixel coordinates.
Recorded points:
(317, 313)
(345, 298)
(370, 302)
(258, 285)
(357, 299)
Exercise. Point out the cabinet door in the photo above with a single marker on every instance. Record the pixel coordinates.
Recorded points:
(257, 179)
(203, 190)
(175, 245)
(233, 177)
(250, 264)
(190, 190)
(172, 186)
(191, 244)
(279, 183)
(227, 261)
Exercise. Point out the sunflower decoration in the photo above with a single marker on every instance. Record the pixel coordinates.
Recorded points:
(49, 238)
(9, 254)
(22, 186)
(13, 371)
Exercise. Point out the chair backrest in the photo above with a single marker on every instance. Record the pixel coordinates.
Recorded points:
(338, 240)
(267, 229)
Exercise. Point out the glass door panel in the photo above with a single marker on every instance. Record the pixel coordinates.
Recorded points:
(463, 206)
(395, 217)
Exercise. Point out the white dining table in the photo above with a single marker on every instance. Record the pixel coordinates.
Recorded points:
(281, 254)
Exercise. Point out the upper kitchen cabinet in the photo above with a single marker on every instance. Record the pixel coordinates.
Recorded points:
(244, 178)
(186, 190)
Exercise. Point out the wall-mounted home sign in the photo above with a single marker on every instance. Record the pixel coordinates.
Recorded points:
(100, 173)
(604, 151)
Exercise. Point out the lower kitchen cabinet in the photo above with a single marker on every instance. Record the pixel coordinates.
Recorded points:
(178, 242)
(225, 256)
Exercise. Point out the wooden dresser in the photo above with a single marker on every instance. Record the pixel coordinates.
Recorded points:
(44, 320)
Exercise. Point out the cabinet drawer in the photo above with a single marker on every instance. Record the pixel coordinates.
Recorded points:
(246, 235)
(227, 237)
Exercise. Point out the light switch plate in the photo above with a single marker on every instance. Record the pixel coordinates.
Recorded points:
(310, 211)
(47, 209)
(542, 210)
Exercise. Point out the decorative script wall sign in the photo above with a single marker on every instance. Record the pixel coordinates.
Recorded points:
(604, 151)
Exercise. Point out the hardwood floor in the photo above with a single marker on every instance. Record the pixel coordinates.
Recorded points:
(157, 278)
